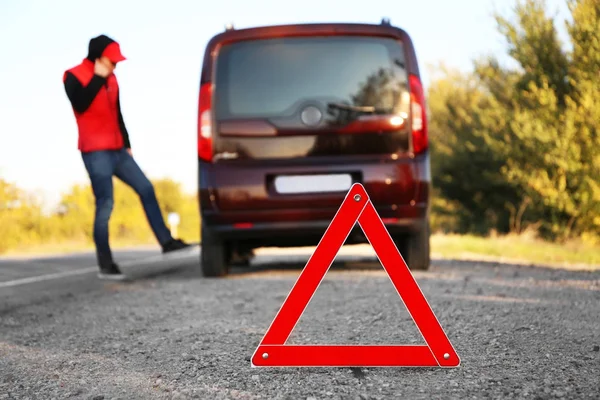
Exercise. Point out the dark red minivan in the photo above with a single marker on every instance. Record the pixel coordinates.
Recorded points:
(289, 118)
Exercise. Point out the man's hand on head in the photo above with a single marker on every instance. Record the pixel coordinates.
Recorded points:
(101, 69)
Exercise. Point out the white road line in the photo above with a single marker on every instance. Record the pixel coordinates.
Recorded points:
(87, 270)
(47, 277)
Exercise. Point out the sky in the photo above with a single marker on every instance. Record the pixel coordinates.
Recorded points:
(164, 43)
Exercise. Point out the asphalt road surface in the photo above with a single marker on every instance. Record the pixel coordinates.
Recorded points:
(522, 332)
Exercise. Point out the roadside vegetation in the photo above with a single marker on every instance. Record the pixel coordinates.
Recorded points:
(25, 228)
(515, 159)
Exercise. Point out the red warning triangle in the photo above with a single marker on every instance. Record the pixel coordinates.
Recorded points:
(272, 350)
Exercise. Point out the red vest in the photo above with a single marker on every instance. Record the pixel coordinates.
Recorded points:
(99, 125)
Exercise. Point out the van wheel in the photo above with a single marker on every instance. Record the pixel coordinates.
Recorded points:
(415, 249)
(214, 255)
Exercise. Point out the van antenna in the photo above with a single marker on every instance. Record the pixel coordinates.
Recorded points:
(385, 21)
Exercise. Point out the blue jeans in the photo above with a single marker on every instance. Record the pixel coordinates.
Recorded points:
(101, 166)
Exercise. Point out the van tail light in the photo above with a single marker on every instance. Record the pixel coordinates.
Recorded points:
(205, 151)
(419, 115)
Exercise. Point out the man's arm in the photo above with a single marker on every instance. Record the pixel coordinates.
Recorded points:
(81, 97)
(122, 124)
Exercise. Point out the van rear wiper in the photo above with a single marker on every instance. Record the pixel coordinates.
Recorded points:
(348, 113)
(363, 109)
(358, 109)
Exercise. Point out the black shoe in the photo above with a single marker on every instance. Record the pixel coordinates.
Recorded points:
(111, 272)
(174, 245)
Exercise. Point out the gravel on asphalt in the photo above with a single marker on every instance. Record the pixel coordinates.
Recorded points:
(521, 332)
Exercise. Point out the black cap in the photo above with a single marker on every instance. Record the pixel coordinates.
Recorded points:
(97, 46)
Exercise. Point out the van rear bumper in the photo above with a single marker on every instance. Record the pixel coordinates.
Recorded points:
(304, 232)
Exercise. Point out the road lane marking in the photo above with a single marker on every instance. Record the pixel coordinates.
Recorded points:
(86, 270)
(47, 277)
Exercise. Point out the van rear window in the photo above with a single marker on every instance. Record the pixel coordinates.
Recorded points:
(272, 78)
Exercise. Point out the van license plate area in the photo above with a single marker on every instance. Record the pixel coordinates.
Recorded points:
(303, 184)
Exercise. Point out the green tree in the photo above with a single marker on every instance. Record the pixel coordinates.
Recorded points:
(584, 77)
(20, 217)
(466, 172)
(548, 139)
(528, 136)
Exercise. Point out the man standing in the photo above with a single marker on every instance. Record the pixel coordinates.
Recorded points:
(93, 91)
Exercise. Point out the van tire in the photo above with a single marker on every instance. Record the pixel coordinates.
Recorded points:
(415, 249)
(214, 259)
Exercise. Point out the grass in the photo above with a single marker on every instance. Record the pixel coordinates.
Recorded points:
(513, 249)
(517, 249)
